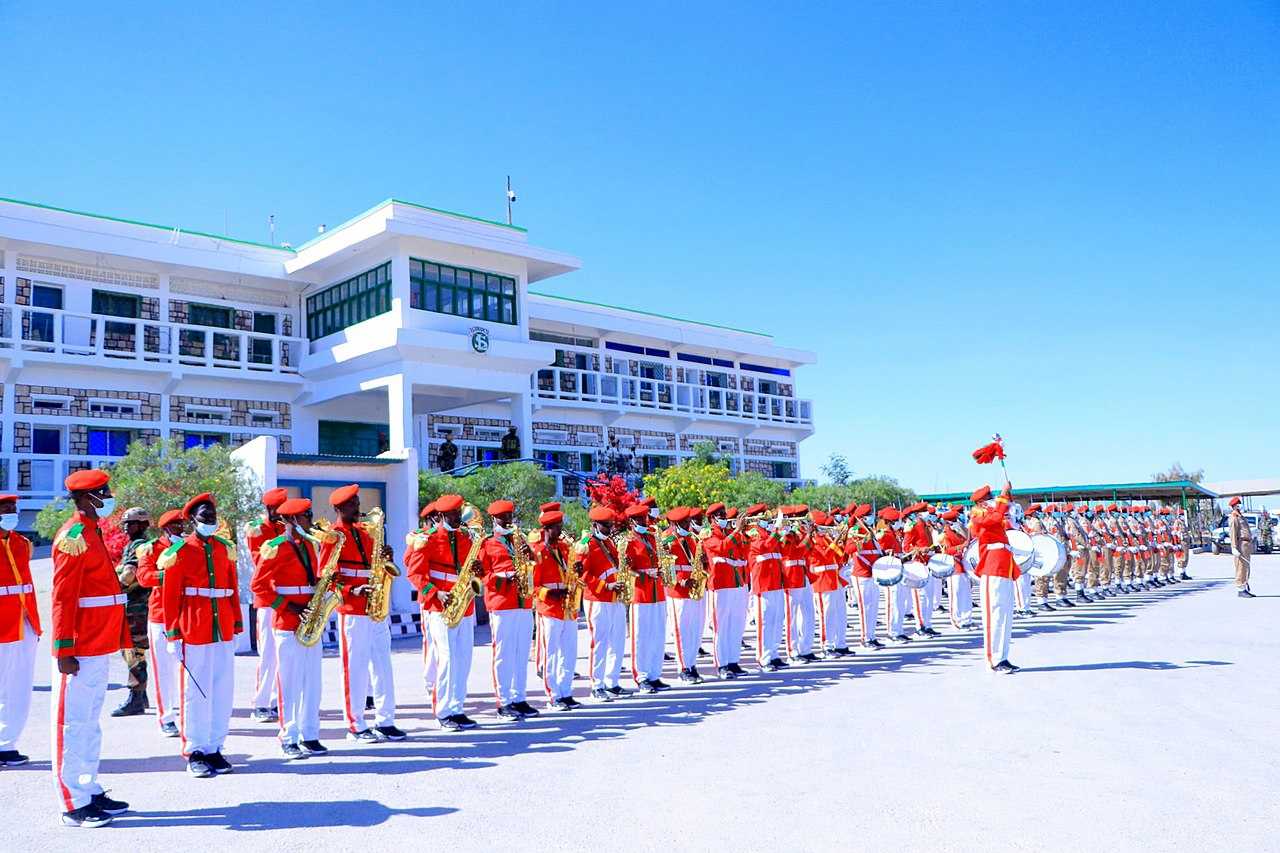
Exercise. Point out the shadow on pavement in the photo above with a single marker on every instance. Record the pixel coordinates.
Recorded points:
(252, 817)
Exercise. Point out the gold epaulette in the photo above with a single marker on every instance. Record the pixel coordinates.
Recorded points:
(170, 556)
(71, 541)
(144, 550)
(415, 539)
(268, 549)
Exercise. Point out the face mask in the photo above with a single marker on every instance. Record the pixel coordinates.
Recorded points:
(641, 529)
(447, 526)
(9, 521)
(598, 533)
(206, 530)
(695, 527)
(653, 512)
(766, 526)
(107, 508)
(722, 523)
(680, 531)
(500, 529)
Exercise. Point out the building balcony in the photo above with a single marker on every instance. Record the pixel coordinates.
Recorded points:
(568, 385)
(37, 478)
(58, 335)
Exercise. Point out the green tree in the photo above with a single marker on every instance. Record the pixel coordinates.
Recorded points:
(159, 476)
(837, 469)
(1176, 472)
(751, 487)
(704, 453)
(691, 483)
(523, 483)
(878, 491)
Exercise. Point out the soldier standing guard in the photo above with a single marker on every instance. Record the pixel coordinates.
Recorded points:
(136, 522)
(1241, 548)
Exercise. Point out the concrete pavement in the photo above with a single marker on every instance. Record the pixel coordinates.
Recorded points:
(1144, 721)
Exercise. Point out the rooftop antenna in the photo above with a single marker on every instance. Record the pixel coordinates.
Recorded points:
(271, 224)
(511, 199)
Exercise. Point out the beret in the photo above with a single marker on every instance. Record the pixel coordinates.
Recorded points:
(86, 480)
(731, 512)
(551, 516)
(549, 507)
(636, 511)
(695, 512)
(755, 508)
(950, 515)
(204, 497)
(343, 494)
(170, 516)
(980, 494)
(678, 513)
(427, 510)
(890, 514)
(918, 506)
(820, 518)
(602, 513)
(860, 510)
(714, 508)
(1234, 502)
(272, 498)
(294, 506)
(449, 503)
(500, 507)
(1034, 508)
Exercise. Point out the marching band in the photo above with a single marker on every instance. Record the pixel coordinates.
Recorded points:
(639, 577)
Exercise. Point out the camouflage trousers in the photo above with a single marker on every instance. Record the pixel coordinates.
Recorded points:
(135, 658)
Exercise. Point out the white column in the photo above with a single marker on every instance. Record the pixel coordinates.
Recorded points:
(400, 287)
(522, 420)
(399, 413)
(402, 516)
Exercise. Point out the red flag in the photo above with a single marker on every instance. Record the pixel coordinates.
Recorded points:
(988, 453)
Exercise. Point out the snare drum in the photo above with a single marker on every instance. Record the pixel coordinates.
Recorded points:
(887, 571)
(970, 559)
(915, 574)
(942, 566)
(1020, 546)
(1051, 556)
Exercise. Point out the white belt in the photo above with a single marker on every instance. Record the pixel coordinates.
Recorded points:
(443, 576)
(206, 592)
(356, 573)
(997, 546)
(510, 574)
(869, 553)
(553, 586)
(773, 555)
(830, 567)
(15, 590)
(650, 572)
(793, 562)
(295, 590)
(1074, 553)
(604, 576)
(728, 562)
(103, 600)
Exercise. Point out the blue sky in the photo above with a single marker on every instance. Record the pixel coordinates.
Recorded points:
(1057, 221)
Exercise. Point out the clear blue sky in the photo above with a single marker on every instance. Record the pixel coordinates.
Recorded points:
(1058, 221)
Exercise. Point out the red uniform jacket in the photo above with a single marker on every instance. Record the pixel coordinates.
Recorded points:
(549, 585)
(764, 561)
(643, 556)
(597, 563)
(864, 553)
(501, 592)
(795, 562)
(919, 536)
(88, 606)
(889, 543)
(17, 594)
(726, 554)
(994, 557)
(287, 571)
(201, 590)
(354, 566)
(257, 534)
(433, 563)
(824, 564)
(152, 576)
(683, 548)
(954, 544)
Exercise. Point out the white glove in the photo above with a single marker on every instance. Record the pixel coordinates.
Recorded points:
(174, 647)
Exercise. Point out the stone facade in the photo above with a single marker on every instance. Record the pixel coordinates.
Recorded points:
(240, 412)
(689, 439)
(578, 435)
(769, 447)
(638, 435)
(79, 407)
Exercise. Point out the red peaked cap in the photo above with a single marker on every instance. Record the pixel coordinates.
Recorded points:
(552, 506)
(890, 514)
(820, 518)
(602, 513)
(343, 494)
(272, 498)
(950, 515)
(678, 514)
(731, 512)
(755, 508)
(918, 506)
(427, 510)
(981, 494)
(1234, 502)
(190, 506)
(860, 511)
(503, 506)
(551, 516)
(294, 506)
(170, 516)
(636, 511)
(1034, 508)
(714, 508)
(86, 480)
(449, 503)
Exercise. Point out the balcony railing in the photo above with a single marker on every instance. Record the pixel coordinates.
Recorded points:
(76, 335)
(40, 479)
(611, 389)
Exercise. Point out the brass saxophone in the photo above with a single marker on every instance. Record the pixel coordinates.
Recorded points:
(466, 587)
(572, 591)
(698, 574)
(520, 560)
(326, 598)
(381, 570)
(666, 561)
(626, 575)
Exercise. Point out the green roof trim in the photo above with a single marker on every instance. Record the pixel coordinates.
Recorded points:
(1134, 490)
(427, 208)
(124, 221)
(648, 313)
(331, 459)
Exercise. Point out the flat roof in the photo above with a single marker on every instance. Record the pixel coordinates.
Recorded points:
(331, 231)
(647, 313)
(1247, 488)
(1106, 491)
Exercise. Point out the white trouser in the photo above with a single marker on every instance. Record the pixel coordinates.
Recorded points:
(687, 619)
(206, 716)
(799, 619)
(559, 639)
(769, 609)
(365, 649)
(897, 599)
(607, 627)
(1022, 592)
(832, 619)
(428, 654)
(997, 618)
(934, 588)
(265, 679)
(960, 599)
(76, 729)
(17, 672)
(648, 639)
(166, 674)
(728, 621)
(451, 652)
(510, 634)
(922, 601)
(297, 687)
(867, 593)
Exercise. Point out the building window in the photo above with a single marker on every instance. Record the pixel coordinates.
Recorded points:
(49, 406)
(113, 409)
(109, 442)
(463, 292)
(349, 302)
(341, 438)
(116, 304)
(260, 349)
(205, 415)
(553, 338)
(209, 315)
(201, 439)
(268, 420)
(46, 441)
(44, 296)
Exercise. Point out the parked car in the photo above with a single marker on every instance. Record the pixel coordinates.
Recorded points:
(1220, 539)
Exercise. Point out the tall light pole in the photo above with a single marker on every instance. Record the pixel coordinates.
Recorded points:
(511, 199)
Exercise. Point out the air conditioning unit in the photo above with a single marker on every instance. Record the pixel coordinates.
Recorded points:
(727, 445)
(488, 434)
(626, 440)
(551, 436)
(587, 438)
(656, 442)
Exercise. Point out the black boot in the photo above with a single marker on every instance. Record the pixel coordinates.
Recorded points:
(135, 704)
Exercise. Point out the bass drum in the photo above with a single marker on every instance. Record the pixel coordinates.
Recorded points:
(915, 574)
(1051, 556)
(941, 566)
(970, 559)
(1021, 547)
(887, 571)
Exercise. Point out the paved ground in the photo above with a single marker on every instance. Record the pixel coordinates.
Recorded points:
(1146, 722)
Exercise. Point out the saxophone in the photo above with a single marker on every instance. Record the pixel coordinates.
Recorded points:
(698, 574)
(326, 598)
(381, 570)
(666, 561)
(520, 560)
(466, 587)
(626, 575)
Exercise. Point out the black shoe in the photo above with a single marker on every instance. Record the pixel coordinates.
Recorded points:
(1012, 668)
(561, 705)
(199, 766)
(809, 658)
(1184, 577)
(703, 653)
(12, 758)
(648, 687)
(573, 703)
(169, 729)
(264, 715)
(106, 805)
(900, 639)
(618, 692)
(660, 684)
(1244, 593)
(773, 666)
(450, 724)
(88, 817)
(219, 764)
(465, 721)
(368, 703)
(1065, 602)
(314, 747)
(932, 632)
(525, 708)
(509, 712)
(726, 674)
(601, 695)
(685, 675)
(737, 669)
(1004, 667)
(1046, 606)
(666, 656)
(391, 733)
(366, 736)
(135, 704)
(293, 752)
(874, 644)
(1081, 595)
(694, 676)
(844, 651)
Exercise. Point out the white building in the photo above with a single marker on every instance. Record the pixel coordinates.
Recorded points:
(354, 354)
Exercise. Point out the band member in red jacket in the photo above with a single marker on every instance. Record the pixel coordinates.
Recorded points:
(954, 540)
(364, 646)
(861, 547)
(726, 553)
(166, 669)
(202, 616)
(597, 564)
(19, 632)
(826, 558)
(918, 538)
(797, 590)
(764, 564)
(510, 611)
(649, 607)
(897, 597)
(997, 573)
(256, 534)
(688, 615)
(555, 586)
(89, 627)
(288, 567)
(432, 564)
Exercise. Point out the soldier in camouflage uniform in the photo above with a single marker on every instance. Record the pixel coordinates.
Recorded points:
(136, 522)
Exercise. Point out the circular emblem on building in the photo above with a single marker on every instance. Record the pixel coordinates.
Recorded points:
(480, 339)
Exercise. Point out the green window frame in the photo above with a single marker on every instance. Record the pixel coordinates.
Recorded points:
(349, 302)
(462, 292)
(111, 304)
(349, 438)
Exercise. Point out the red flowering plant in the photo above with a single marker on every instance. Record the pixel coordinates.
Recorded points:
(113, 536)
(612, 492)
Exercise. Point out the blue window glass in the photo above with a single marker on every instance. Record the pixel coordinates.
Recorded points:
(109, 442)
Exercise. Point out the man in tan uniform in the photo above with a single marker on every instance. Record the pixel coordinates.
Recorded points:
(1241, 548)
